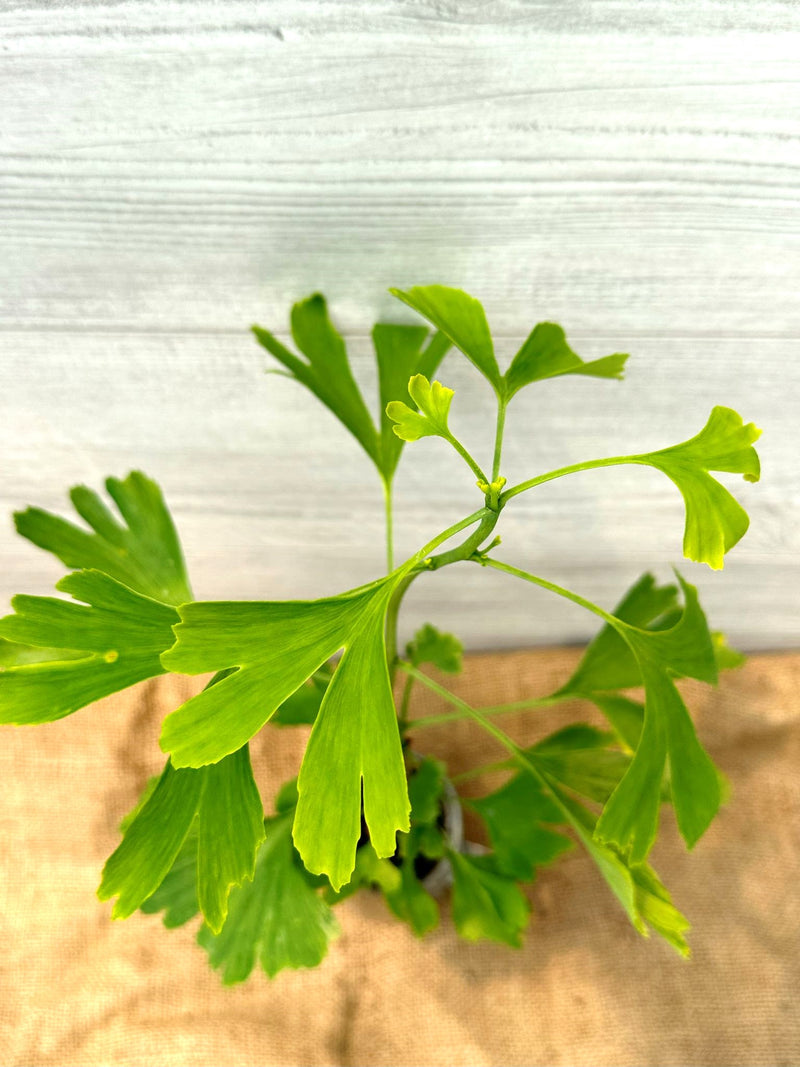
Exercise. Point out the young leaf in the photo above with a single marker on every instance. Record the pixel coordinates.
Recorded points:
(430, 645)
(275, 647)
(461, 318)
(302, 707)
(425, 791)
(514, 815)
(715, 522)
(487, 903)
(222, 803)
(278, 919)
(433, 401)
(144, 554)
(327, 370)
(117, 633)
(546, 354)
(399, 354)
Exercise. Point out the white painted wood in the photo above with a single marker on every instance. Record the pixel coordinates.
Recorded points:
(171, 172)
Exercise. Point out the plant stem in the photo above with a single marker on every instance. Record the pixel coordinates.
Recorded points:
(575, 468)
(552, 587)
(387, 496)
(483, 768)
(498, 437)
(473, 466)
(468, 711)
(498, 709)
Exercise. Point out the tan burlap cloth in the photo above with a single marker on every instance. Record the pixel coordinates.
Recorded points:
(78, 988)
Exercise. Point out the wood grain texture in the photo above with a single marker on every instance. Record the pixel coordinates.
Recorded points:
(171, 172)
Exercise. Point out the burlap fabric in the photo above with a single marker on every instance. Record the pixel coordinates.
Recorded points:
(78, 988)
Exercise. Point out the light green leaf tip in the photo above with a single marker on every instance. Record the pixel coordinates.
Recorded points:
(433, 401)
(546, 354)
(715, 521)
(487, 904)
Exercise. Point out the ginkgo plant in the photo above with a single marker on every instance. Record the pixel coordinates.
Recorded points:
(368, 808)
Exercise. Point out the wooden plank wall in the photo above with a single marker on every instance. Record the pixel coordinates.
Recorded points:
(172, 171)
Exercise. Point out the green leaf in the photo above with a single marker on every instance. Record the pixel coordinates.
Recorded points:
(144, 553)
(433, 401)
(326, 369)
(222, 803)
(425, 790)
(486, 903)
(715, 522)
(430, 645)
(626, 717)
(461, 319)
(629, 819)
(16, 655)
(637, 888)
(399, 354)
(275, 647)
(278, 919)
(411, 902)
(117, 633)
(546, 354)
(579, 757)
(177, 894)
(609, 662)
(514, 815)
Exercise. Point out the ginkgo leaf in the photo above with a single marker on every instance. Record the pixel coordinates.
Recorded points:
(118, 634)
(326, 369)
(411, 902)
(302, 707)
(144, 553)
(608, 661)
(430, 645)
(487, 904)
(433, 401)
(354, 743)
(399, 354)
(177, 894)
(715, 521)
(546, 354)
(514, 816)
(579, 758)
(278, 920)
(629, 819)
(638, 889)
(222, 807)
(461, 318)
(13, 654)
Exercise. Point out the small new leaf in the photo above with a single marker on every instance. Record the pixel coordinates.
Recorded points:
(430, 645)
(144, 553)
(487, 904)
(546, 354)
(433, 401)
(399, 354)
(113, 638)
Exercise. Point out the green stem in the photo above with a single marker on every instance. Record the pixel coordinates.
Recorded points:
(499, 735)
(484, 768)
(498, 437)
(387, 496)
(486, 561)
(497, 709)
(575, 468)
(473, 466)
